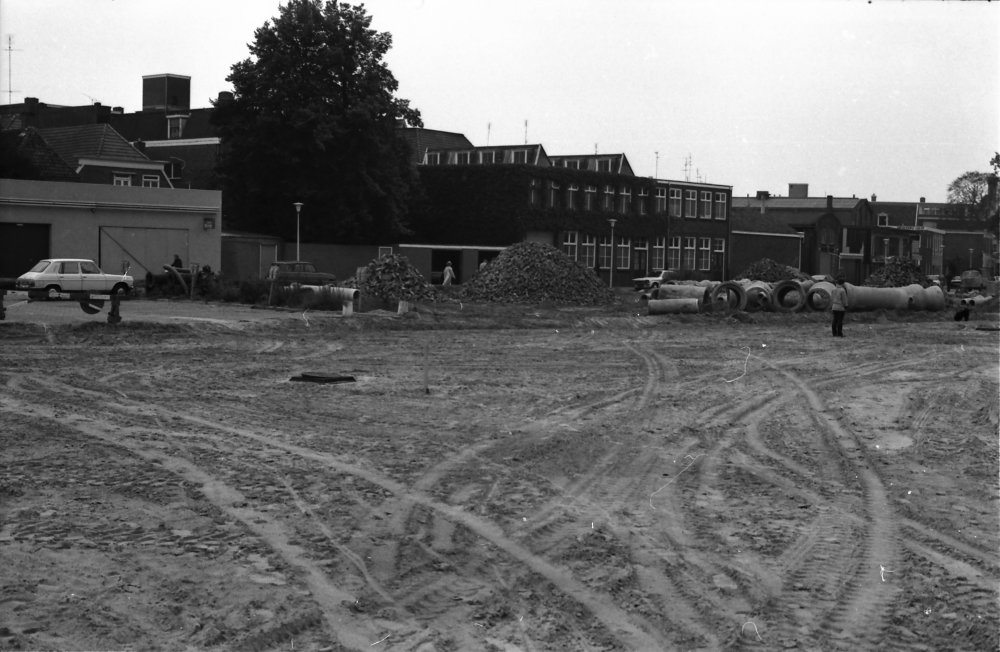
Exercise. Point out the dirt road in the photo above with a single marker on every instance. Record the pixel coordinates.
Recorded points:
(582, 482)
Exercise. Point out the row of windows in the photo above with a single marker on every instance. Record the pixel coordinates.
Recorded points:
(148, 180)
(480, 158)
(691, 205)
(697, 252)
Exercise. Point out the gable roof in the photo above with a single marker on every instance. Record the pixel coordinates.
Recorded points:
(45, 159)
(99, 141)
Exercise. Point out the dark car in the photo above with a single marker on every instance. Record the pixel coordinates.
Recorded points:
(297, 271)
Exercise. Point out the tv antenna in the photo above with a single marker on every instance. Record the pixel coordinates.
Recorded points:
(525, 132)
(8, 50)
(687, 168)
(657, 173)
(488, 126)
(93, 100)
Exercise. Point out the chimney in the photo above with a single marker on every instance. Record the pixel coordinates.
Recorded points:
(873, 197)
(139, 145)
(117, 110)
(763, 194)
(224, 96)
(30, 105)
(922, 200)
(829, 202)
(798, 190)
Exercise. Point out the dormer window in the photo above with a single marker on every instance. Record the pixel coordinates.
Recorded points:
(604, 165)
(432, 159)
(175, 126)
(573, 164)
(487, 158)
(521, 156)
(462, 158)
(883, 219)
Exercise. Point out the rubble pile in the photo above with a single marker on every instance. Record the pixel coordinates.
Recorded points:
(896, 274)
(769, 271)
(392, 278)
(530, 272)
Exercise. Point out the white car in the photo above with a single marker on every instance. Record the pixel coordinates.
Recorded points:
(57, 275)
(650, 282)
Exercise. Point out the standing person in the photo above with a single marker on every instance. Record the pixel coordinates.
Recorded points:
(839, 299)
(449, 274)
(177, 261)
(482, 266)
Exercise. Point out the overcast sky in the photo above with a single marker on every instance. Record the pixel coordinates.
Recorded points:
(893, 98)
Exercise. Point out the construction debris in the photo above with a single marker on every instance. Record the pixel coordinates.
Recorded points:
(531, 272)
(897, 273)
(392, 278)
(769, 271)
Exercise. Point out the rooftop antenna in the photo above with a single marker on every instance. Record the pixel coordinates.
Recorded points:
(525, 132)
(595, 148)
(488, 125)
(657, 173)
(92, 99)
(697, 175)
(687, 168)
(8, 50)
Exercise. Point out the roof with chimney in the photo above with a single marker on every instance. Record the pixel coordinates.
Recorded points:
(99, 141)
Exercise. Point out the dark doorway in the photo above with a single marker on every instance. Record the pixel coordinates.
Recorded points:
(21, 246)
(486, 256)
(440, 258)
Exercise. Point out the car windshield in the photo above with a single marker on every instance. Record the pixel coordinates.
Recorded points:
(40, 266)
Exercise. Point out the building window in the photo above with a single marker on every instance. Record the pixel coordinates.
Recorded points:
(705, 254)
(553, 194)
(626, 200)
(487, 158)
(719, 254)
(521, 156)
(643, 200)
(641, 249)
(675, 202)
(659, 245)
(604, 252)
(720, 205)
(150, 181)
(175, 127)
(661, 200)
(573, 164)
(569, 243)
(173, 169)
(604, 165)
(462, 158)
(123, 179)
(608, 203)
(589, 251)
(589, 197)
(571, 192)
(690, 203)
(720, 246)
(624, 249)
(883, 219)
(536, 191)
(674, 253)
(688, 253)
(432, 159)
(705, 210)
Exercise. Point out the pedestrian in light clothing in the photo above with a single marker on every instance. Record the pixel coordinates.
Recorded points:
(839, 299)
(449, 274)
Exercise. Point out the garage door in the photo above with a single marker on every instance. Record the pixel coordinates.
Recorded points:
(21, 246)
(144, 249)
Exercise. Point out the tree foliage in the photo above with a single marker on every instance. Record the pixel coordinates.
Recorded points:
(969, 188)
(15, 164)
(313, 120)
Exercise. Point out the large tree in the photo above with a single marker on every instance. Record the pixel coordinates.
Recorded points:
(969, 188)
(313, 119)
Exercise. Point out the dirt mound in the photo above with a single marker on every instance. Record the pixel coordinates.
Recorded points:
(392, 278)
(530, 272)
(896, 274)
(769, 271)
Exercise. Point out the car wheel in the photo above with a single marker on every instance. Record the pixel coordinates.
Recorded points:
(654, 286)
(120, 289)
(52, 292)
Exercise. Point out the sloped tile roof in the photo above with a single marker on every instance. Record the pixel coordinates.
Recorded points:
(789, 203)
(44, 158)
(421, 140)
(748, 220)
(90, 141)
(10, 122)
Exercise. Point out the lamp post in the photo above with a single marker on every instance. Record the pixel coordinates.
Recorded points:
(298, 211)
(970, 258)
(611, 270)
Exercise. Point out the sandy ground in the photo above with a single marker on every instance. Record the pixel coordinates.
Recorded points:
(573, 480)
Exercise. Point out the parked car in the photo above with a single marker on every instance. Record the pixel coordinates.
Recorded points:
(972, 279)
(934, 279)
(297, 271)
(650, 282)
(56, 275)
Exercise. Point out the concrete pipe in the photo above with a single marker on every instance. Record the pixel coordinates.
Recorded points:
(346, 295)
(970, 301)
(788, 296)
(920, 298)
(861, 298)
(934, 298)
(978, 301)
(724, 293)
(818, 297)
(758, 296)
(673, 306)
(683, 292)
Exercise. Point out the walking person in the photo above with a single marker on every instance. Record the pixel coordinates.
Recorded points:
(839, 299)
(449, 274)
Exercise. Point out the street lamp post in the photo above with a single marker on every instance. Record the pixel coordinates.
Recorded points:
(611, 270)
(298, 211)
(970, 258)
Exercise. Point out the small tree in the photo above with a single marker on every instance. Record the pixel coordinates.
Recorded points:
(969, 188)
(313, 120)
